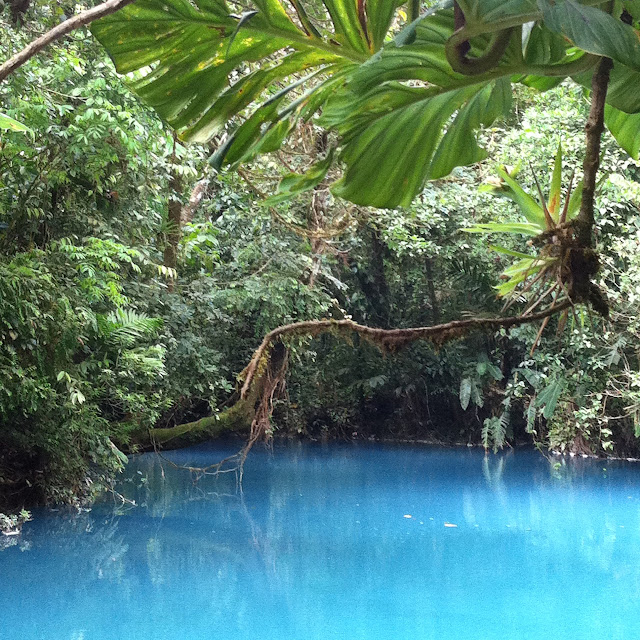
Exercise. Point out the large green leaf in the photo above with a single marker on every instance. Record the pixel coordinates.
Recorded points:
(395, 137)
(403, 115)
(270, 124)
(199, 65)
(503, 13)
(543, 46)
(379, 17)
(203, 67)
(622, 92)
(549, 396)
(633, 8)
(487, 11)
(10, 124)
(625, 128)
(593, 30)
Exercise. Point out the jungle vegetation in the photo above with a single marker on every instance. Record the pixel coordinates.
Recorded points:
(403, 198)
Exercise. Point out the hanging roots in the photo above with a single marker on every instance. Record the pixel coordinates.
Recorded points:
(272, 382)
(268, 366)
(572, 270)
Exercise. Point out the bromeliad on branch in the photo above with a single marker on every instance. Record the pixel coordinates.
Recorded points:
(549, 223)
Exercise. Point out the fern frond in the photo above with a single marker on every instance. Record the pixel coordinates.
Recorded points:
(123, 328)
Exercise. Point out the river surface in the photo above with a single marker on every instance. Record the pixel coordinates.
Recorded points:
(338, 542)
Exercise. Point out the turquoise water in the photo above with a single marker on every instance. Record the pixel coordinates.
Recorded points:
(320, 545)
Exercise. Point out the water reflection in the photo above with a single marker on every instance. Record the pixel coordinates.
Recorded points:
(339, 542)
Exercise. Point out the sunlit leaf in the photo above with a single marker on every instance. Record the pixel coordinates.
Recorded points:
(555, 195)
(10, 124)
(465, 392)
(593, 30)
(192, 57)
(395, 138)
(625, 128)
(294, 184)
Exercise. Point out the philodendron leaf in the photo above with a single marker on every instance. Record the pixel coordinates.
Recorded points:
(543, 46)
(395, 138)
(487, 11)
(633, 8)
(403, 114)
(193, 58)
(294, 184)
(9, 124)
(593, 30)
(202, 67)
(625, 128)
(622, 92)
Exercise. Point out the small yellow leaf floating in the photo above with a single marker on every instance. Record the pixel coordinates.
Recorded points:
(448, 524)
(406, 515)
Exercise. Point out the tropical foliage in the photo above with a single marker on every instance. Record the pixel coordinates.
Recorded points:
(405, 105)
(136, 279)
(538, 276)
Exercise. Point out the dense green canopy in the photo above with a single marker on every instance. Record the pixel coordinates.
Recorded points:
(141, 264)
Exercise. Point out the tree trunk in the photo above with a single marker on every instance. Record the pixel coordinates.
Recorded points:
(250, 411)
(431, 289)
(174, 232)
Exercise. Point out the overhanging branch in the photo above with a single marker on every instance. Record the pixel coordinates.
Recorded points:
(389, 340)
(266, 370)
(82, 19)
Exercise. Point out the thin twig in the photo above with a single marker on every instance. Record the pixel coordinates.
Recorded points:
(551, 289)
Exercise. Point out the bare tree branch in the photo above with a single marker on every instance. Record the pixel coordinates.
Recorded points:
(196, 197)
(80, 20)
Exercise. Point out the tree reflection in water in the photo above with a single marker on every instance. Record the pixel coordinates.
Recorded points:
(339, 541)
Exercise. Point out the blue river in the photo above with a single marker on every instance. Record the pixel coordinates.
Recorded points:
(340, 541)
